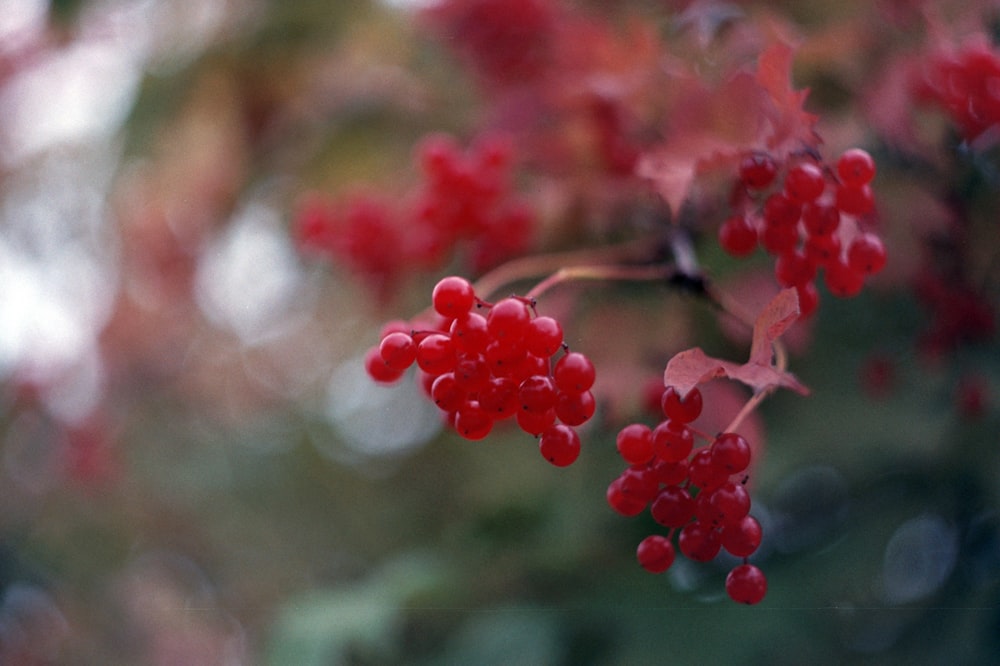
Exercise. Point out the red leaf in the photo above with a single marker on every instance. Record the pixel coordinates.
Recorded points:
(693, 367)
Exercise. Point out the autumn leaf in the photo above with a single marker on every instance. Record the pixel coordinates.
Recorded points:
(692, 367)
(750, 111)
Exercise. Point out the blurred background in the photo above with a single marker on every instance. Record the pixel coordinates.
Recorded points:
(195, 468)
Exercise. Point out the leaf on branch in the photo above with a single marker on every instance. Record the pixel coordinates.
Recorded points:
(714, 126)
(692, 367)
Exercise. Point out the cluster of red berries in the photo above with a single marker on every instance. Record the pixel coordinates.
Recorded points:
(698, 493)
(465, 200)
(812, 220)
(509, 363)
(963, 84)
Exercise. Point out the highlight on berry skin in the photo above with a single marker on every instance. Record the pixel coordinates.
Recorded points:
(487, 363)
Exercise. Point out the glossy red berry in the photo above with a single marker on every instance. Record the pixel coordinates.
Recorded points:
(757, 170)
(378, 369)
(544, 336)
(574, 372)
(453, 296)
(673, 507)
(699, 542)
(672, 441)
(560, 445)
(681, 409)
(855, 199)
(730, 452)
(856, 167)
(509, 320)
(635, 443)
(804, 182)
(398, 350)
(655, 553)
(746, 584)
(738, 236)
(866, 254)
(743, 537)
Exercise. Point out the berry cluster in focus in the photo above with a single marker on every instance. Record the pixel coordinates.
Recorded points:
(810, 216)
(698, 493)
(482, 363)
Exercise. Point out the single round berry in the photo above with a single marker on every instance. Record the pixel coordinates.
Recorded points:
(640, 482)
(730, 452)
(574, 372)
(672, 507)
(447, 393)
(742, 538)
(398, 350)
(655, 553)
(724, 505)
(544, 337)
(472, 421)
(792, 269)
(704, 472)
(804, 182)
(856, 167)
(820, 219)
(560, 445)
(509, 319)
(746, 584)
(537, 394)
(468, 332)
(453, 296)
(757, 170)
(635, 443)
(866, 254)
(436, 354)
(575, 408)
(843, 280)
(535, 423)
(378, 369)
(808, 299)
(672, 441)
(699, 542)
(622, 502)
(855, 200)
(781, 211)
(681, 409)
(737, 236)
(499, 397)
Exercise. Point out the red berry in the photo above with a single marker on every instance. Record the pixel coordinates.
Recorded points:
(472, 421)
(866, 254)
(574, 372)
(843, 280)
(560, 445)
(804, 182)
(779, 239)
(724, 505)
(820, 219)
(468, 332)
(398, 350)
(672, 441)
(746, 584)
(635, 443)
(535, 423)
(781, 211)
(447, 394)
(737, 236)
(792, 269)
(855, 200)
(681, 409)
(856, 167)
(704, 472)
(699, 542)
(436, 354)
(499, 398)
(622, 502)
(544, 337)
(808, 299)
(743, 537)
(574, 408)
(655, 553)
(453, 296)
(509, 319)
(537, 394)
(757, 170)
(730, 452)
(377, 368)
(673, 507)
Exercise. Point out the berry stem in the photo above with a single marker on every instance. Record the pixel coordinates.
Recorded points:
(601, 272)
(547, 264)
